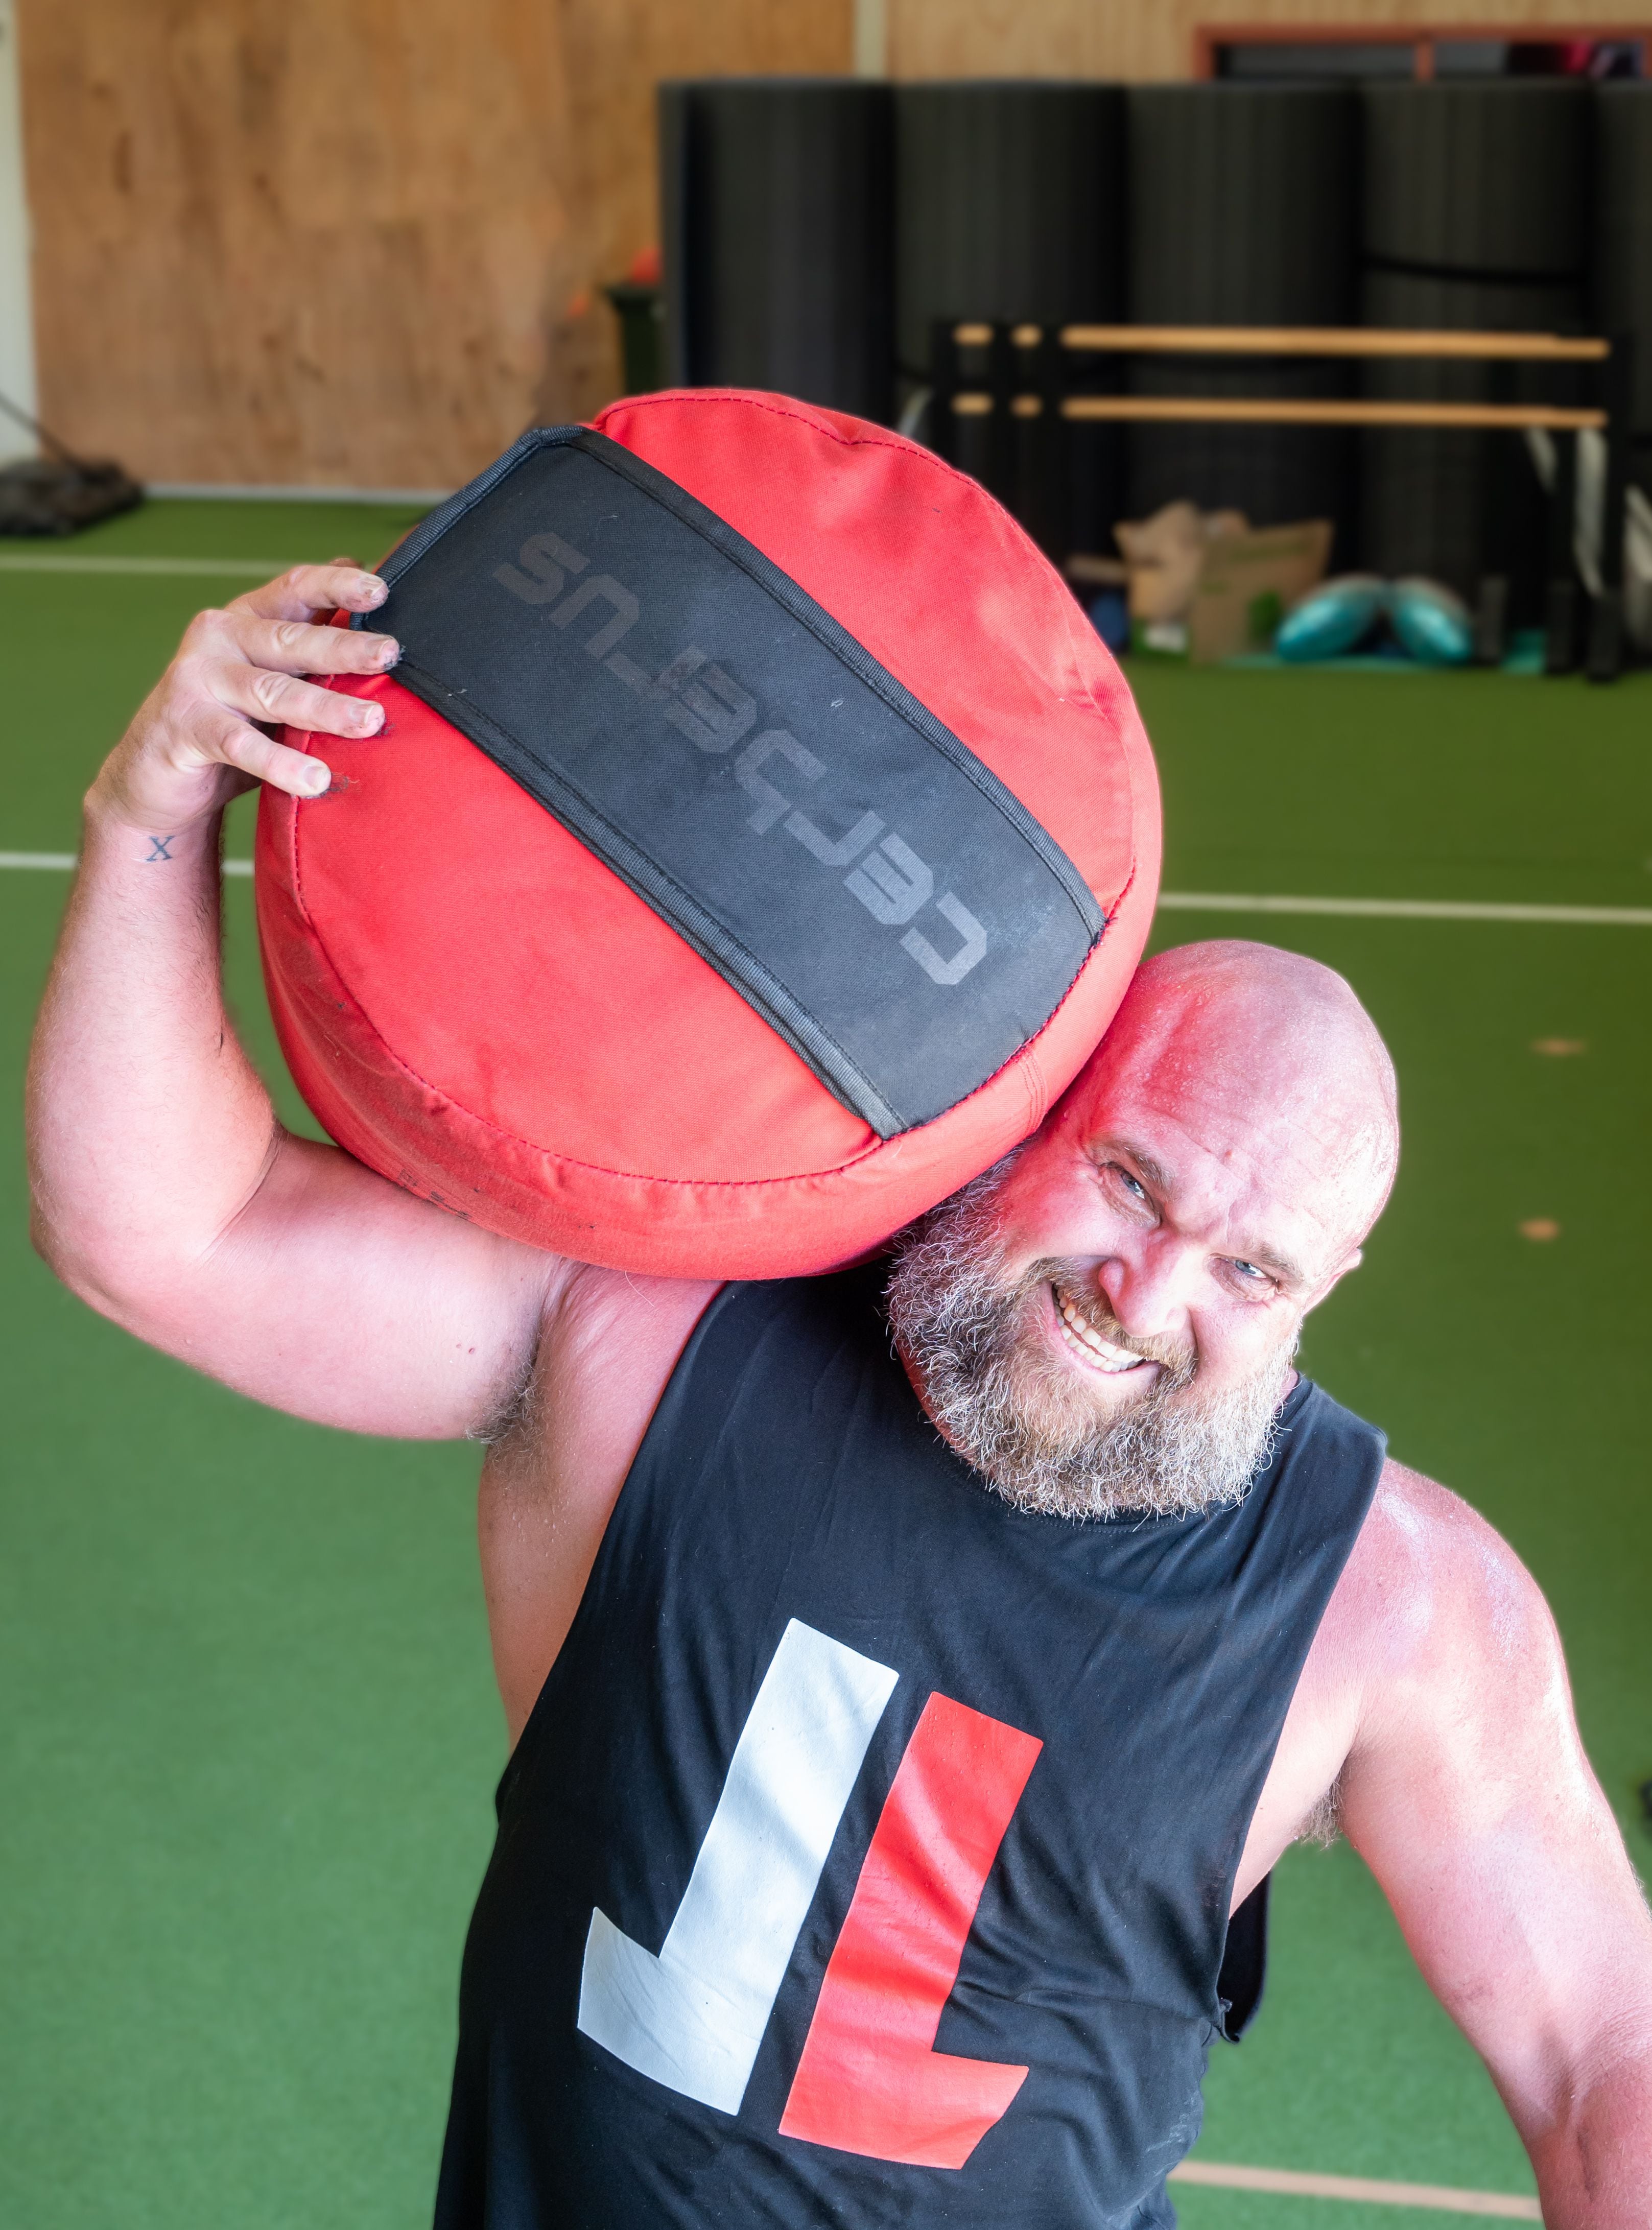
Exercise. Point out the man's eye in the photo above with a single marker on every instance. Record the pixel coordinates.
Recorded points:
(1249, 1270)
(1130, 1184)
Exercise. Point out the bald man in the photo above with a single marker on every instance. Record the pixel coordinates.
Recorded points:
(908, 1672)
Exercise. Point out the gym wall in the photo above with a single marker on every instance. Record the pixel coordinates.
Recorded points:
(1141, 40)
(313, 245)
(317, 246)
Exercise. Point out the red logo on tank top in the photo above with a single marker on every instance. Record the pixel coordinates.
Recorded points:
(870, 2080)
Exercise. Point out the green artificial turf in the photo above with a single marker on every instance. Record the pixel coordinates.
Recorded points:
(250, 1738)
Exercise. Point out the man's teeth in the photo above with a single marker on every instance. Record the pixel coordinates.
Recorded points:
(1096, 1349)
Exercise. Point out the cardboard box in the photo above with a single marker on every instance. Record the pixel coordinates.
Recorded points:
(1248, 583)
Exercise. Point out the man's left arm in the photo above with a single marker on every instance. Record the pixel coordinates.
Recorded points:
(1468, 1795)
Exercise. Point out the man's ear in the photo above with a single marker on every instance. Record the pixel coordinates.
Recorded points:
(1350, 1262)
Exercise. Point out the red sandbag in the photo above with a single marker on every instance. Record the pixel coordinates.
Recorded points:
(478, 1006)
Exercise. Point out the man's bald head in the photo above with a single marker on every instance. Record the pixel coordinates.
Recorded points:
(1247, 1038)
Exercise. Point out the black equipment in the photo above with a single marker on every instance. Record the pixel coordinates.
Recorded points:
(58, 493)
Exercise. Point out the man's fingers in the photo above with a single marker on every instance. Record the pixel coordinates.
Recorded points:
(285, 701)
(295, 647)
(236, 744)
(309, 588)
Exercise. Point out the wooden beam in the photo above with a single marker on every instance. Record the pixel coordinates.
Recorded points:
(1259, 411)
(1330, 340)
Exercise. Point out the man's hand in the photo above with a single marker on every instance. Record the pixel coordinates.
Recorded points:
(203, 734)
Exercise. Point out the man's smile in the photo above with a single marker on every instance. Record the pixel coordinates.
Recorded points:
(1092, 1349)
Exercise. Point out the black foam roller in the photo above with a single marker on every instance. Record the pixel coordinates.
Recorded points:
(1241, 205)
(1623, 229)
(778, 232)
(1457, 505)
(1010, 201)
(1490, 176)
(1242, 211)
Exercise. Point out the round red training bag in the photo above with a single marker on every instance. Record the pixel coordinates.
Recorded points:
(758, 839)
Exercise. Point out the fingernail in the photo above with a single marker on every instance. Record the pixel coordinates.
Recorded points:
(373, 588)
(370, 716)
(390, 653)
(318, 779)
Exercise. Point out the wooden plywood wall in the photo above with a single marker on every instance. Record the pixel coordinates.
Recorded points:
(316, 245)
(1148, 39)
(309, 245)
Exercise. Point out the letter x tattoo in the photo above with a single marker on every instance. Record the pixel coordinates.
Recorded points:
(159, 847)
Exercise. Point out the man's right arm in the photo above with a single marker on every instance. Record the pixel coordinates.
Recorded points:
(1467, 1793)
(166, 1194)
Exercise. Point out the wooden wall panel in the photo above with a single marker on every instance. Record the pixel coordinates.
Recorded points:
(323, 246)
(1147, 39)
(618, 53)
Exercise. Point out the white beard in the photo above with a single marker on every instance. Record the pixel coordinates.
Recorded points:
(1025, 1423)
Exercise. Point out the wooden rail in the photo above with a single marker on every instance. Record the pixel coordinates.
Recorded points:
(1303, 341)
(1262, 410)
(1320, 340)
(1247, 411)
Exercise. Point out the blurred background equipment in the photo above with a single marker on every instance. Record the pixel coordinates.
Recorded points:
(1208, 586)
(1578, 449)
(1322, 189)
(779, 212)
(1622, 246)
(1243, 203)
(1475, 217)
(59, 492)
(638, 302)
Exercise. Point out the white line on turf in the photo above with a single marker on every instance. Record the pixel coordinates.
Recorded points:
(1220, 902)
(1285, 2182)
(1406, 909)
(228, 569)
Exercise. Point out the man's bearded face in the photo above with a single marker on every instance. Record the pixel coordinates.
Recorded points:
(972, 1332)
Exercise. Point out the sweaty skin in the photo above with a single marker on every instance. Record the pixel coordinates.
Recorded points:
(1204, 1183)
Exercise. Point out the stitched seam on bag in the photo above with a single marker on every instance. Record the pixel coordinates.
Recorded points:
(913, 449)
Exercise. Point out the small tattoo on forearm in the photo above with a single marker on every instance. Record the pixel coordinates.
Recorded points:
(160, 847)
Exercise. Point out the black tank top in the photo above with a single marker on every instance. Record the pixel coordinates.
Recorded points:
(868, 1857)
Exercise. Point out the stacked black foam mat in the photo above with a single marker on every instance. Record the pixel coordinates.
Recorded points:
(1623, 283)
(1008, 202)
(778, 209)
(1243, 209)
(1476, 215)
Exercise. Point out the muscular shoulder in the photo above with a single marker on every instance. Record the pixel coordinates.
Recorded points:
(1435, 1700)
(1436, 1617)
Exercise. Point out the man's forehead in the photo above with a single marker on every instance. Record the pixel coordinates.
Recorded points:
(1238, 1099)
